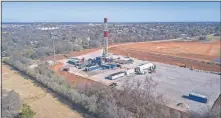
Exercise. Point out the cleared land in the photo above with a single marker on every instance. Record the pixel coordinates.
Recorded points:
(45, 104)
(175, 53)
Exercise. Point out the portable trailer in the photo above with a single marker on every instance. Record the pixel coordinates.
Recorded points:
(92, 68)
(115, 75)
(198, 97)
(109, 66)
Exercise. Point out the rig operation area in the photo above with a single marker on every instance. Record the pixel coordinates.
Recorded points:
(195, 90)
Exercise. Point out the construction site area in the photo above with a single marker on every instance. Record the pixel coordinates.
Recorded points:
(185, 71)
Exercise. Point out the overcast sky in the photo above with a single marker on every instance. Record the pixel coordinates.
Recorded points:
(115, 11)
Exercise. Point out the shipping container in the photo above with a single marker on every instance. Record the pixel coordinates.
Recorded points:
(112, 66)
(92, 68)
(198, 97)
(106, 66)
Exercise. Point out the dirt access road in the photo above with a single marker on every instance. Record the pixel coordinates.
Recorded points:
(45, 104)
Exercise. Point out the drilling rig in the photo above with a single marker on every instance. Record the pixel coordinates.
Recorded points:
(105, 41)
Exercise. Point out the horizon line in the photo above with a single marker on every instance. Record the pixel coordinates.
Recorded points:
(110, 22)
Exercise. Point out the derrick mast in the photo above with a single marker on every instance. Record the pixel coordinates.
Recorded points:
(105, 48)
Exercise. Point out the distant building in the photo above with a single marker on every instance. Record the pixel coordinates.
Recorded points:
(48, 28)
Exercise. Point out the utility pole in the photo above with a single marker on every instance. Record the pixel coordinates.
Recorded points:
(53, 37)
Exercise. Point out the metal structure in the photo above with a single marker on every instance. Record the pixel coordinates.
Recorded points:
(53, 37)
(105, 48)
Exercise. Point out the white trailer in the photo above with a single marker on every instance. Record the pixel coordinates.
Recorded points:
(115, 75)
(144, 68)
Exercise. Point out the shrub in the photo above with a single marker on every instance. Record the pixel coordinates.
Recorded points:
(26, 112)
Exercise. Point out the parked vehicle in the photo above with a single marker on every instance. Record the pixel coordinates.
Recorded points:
(113, 84)
(144, 68)
(65, 69)
(130, 61)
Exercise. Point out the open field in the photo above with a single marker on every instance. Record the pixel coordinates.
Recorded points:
(45, 104)
(174, 52)
(193, 50)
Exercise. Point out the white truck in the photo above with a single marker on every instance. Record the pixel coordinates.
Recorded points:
(144, 68)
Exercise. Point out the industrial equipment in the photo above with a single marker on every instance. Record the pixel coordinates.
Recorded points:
(144, 68)
(92, 68)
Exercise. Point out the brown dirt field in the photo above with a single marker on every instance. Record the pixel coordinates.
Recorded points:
(42, 102)
(193, 50)
(154, 55)
(76, 53)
